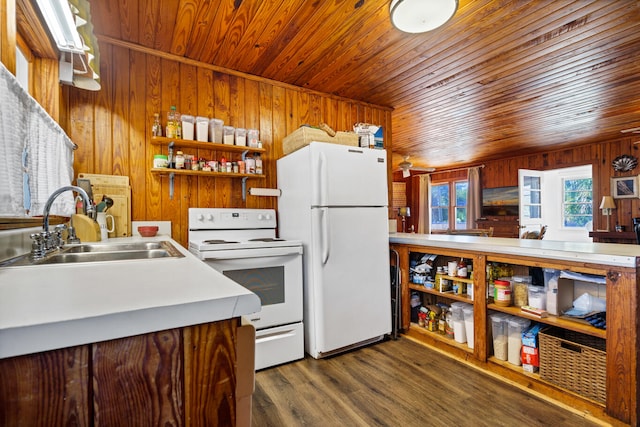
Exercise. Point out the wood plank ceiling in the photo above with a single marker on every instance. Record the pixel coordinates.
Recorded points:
(503, 77)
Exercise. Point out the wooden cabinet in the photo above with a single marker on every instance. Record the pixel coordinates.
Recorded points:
(503, 226)
(620, 335)
(628, 237)
(181, 377)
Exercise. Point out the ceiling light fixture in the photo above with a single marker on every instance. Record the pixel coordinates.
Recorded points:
(420, 16)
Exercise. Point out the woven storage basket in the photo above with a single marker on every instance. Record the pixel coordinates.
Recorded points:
(304, 135)
(574, 361)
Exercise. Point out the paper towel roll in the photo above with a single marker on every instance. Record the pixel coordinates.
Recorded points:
(275, 192)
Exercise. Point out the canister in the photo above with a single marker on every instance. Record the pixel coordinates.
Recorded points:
(253, 135)
(517, 325)
(228, 135)
(520, 290)
(215, 130)
(457, 313)
(502, 293)
(160, 161)
(241, 136)
(467, 311)
(499, 331)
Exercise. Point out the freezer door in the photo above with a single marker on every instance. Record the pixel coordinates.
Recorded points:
(350, 286)
(347, 176)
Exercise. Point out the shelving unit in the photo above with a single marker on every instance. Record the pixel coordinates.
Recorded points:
(622, 301)
(185, 143)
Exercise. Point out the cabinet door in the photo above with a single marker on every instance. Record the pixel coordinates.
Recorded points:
(45, 389)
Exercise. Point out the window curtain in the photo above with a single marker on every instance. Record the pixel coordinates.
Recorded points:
(424, 204)
(474, 197)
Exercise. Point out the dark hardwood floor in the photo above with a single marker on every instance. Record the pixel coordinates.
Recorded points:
(397, 383)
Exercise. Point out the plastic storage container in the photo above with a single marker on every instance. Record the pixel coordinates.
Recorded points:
(253, 136)
(202, 129)
(537, 297)
(467, 311)
(551, 278)
(457, 314)
(520, 287)
(228, 135)
(241, 136)
(499, 332)
(188, 123)
(215, 130)
(517, 325)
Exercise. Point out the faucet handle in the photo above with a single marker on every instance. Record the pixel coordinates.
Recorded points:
(38, 246)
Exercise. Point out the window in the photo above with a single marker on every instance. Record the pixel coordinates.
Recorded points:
(443, 211)
(577, 204)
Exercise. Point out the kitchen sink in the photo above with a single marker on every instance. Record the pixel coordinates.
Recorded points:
(97, 252)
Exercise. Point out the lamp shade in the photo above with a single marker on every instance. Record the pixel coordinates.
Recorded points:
(419, 16)
(607, 203)
(404, 211)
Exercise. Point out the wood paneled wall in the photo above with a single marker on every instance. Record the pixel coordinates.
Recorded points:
(112, 126)
(504, 173)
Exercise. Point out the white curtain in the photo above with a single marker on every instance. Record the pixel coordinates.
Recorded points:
(474, 197)
(424, 203)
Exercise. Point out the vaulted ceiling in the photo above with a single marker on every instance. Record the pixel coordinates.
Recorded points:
(503, 77)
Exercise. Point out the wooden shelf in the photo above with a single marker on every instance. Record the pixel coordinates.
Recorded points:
(515, 368)
(450, 295)
(552, 320)
(166, 171)
(186, 143)
(441, 338)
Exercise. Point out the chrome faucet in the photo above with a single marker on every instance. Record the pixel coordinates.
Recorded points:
(45, 241)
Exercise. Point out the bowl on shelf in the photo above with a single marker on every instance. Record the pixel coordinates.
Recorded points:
(148, 230)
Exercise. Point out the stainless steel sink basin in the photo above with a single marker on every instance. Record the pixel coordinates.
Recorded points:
(97, 252)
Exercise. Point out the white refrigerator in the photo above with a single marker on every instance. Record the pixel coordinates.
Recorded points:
(334, 199)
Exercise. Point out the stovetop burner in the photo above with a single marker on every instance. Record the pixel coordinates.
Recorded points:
(217, 241)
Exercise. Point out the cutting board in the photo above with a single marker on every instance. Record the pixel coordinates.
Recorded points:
(117, 187)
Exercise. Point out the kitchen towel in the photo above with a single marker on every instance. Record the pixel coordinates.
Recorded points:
(27, 131)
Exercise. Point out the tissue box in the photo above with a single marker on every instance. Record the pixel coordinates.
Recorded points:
(530, 359)
(530, 336)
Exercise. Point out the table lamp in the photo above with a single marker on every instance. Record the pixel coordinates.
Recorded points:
(404, 213)
(607, 205)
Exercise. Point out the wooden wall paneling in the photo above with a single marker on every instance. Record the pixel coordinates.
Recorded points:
(8, 34)
(205, 99)
(293, 112)
(209, 374)
(138, 380)
(151, 197)
(278, 125)
(265, 118)
(114, 158)
(46, 389)
(187, 104)
(81, 130)
(170, 91)
(47, 91)
(139, 127)
(104, 112)
(316, 107)
(331, 111)
(304, 109)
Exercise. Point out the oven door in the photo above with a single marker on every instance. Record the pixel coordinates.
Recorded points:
(274, 274)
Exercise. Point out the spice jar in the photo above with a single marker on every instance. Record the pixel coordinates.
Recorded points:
(179, 160)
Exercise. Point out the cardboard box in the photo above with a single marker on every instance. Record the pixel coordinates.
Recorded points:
(305, 135)
(530, 356)
(530, 336)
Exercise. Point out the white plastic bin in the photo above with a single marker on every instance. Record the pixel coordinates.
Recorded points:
(188, 126)
(459, 330)
(215, 130)
(468, 323)
(517, 325)
(228, 135)
(202, 129)
(499, 331)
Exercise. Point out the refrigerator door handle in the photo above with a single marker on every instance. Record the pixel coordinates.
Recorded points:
(324, 234)
(322, 179)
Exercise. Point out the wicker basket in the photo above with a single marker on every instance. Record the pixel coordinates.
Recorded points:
(304, 135)
(574, 361)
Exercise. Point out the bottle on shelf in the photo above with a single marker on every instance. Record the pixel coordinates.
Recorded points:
(156, 128)
(258, 165)
(173, 119)
(179, 160)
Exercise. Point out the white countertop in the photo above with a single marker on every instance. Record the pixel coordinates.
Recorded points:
(47, 307)
(612, 254)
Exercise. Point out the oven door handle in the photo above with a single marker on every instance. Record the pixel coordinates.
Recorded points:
(251, 253)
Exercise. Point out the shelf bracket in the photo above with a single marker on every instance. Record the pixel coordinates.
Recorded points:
(172, 177)
(244, 186)
(244, 155)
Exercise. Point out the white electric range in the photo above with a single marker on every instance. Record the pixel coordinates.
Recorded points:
(242, 245)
